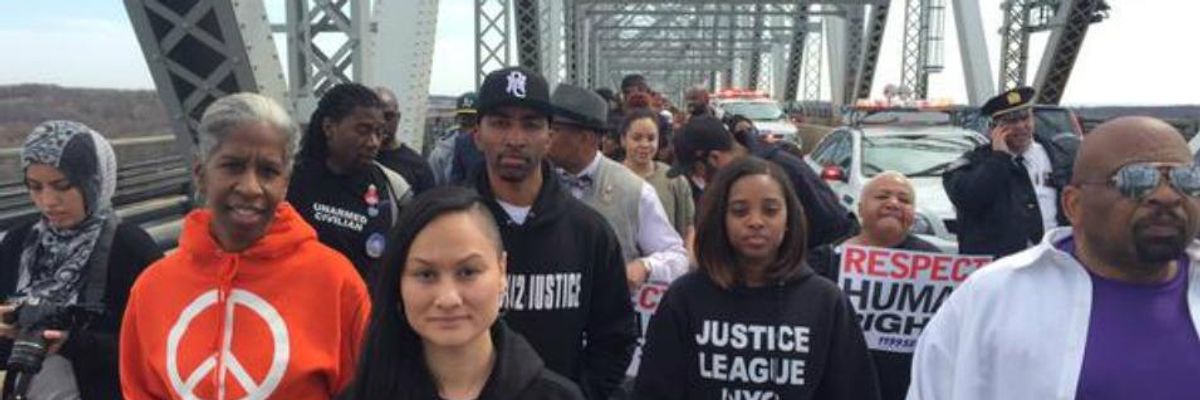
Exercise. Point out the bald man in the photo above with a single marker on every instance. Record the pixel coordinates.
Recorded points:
(1106, 309)
(887, 212)
(396, 155)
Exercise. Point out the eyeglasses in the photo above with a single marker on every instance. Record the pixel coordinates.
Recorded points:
(1011, 118)
(1136, 181)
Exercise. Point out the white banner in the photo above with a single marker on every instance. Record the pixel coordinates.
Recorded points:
(896, 292)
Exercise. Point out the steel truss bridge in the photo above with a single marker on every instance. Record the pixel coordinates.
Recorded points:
(818, 50)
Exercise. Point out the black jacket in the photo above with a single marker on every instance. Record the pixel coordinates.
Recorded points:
(520, 374)
(996, 206)
(894, 369)
(93, 351)
(409, 164)
(336, 207)
(566, 282)
(828, 220)
(705, 342)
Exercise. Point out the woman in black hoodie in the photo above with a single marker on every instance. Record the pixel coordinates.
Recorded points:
(434, 332)
(754, 321)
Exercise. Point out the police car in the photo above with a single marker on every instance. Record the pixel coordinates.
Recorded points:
(768, 117)
(921, 143)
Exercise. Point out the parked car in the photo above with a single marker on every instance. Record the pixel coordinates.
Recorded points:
(766, 114)
(919, 144)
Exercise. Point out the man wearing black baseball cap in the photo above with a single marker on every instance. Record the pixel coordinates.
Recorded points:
(566, 290)
(705, 146)
(1006, 193)
(455, 158)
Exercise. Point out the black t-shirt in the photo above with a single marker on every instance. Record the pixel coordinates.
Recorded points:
(895, 369)
(340, 208)
(791, 340)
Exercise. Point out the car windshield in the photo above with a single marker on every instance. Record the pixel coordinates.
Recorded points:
(914, 155)
(906, 117)
(756, 111)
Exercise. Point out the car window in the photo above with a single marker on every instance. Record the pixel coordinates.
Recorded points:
(755, 111)
(824, 150)
(843, 152)
(915, 155)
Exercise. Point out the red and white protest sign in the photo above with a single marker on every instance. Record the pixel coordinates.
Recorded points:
(896, 292)
(645, 302)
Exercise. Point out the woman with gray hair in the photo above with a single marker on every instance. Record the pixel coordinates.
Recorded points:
(76, 253)
(251, 304)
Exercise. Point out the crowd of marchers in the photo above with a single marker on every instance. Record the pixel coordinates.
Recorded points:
(570, 243)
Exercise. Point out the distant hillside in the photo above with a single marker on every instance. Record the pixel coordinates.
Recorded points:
(113, 113)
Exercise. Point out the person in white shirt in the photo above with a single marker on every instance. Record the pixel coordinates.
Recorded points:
(1105, 309)
(653, 250)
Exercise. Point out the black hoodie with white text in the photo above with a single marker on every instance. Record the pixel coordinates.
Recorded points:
(566, 290)
(793, 340)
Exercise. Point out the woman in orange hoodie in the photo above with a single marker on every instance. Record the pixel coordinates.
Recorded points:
(250, 305)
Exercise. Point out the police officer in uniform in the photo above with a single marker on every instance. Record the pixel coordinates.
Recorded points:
(1006, 193)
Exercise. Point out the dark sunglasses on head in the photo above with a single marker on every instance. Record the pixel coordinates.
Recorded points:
(1136, 181)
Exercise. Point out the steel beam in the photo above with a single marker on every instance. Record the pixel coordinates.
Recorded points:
(812, 64)
(551, 26)
(491, 37)
(872, 44)
(796, 51)
(1072, 21)
(199, 51)
(835, 40)
(854, 50)
(973, 48)
(1014, 44)
(405, 34)
(313, 68)
(529, 45)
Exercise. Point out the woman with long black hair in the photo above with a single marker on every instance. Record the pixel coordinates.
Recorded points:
(338, 187)
(436, 332)
(754, 321)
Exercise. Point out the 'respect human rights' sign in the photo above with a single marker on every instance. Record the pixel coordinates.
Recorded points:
(896, 292)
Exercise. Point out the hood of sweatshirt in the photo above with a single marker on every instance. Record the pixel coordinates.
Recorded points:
(517, 365)
(549, 204)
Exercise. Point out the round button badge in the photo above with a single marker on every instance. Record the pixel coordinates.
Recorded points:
(375, 244)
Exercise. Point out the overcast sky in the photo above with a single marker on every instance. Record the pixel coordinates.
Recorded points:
(1145, 53)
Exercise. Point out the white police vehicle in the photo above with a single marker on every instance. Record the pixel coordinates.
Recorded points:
(768, 117)
(921, 144)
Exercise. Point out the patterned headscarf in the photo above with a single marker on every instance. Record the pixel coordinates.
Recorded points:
(55, 261)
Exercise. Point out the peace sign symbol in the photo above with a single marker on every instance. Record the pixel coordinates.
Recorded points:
(230, 364)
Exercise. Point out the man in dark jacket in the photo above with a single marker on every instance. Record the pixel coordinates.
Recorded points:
(1006, 193)
(706, 146)
(396, 155)
(566, 288)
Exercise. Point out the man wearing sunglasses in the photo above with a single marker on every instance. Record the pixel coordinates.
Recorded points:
(1006, 193)
(1105, 309)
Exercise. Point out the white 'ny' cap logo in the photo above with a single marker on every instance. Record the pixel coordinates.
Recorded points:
(516, 84)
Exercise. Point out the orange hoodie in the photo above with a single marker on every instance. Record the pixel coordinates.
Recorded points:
(282, 319)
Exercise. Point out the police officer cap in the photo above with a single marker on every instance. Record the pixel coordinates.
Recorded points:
(1009, 101)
